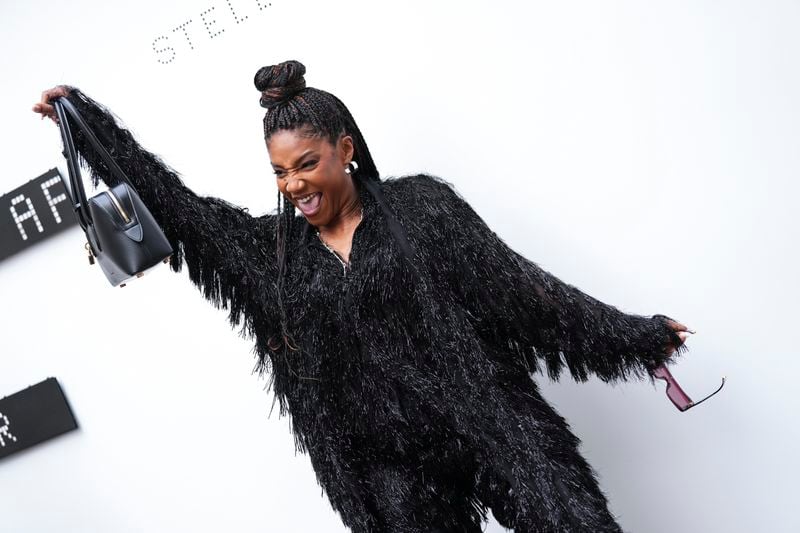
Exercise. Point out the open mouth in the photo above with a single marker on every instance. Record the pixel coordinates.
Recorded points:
(309, 204)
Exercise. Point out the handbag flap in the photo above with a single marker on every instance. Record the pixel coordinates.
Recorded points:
(135, 233)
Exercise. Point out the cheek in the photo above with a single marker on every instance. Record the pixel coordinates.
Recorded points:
(330, 177)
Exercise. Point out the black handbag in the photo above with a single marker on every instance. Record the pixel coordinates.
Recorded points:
(121, 232)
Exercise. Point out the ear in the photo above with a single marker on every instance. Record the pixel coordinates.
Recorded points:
(345, 149)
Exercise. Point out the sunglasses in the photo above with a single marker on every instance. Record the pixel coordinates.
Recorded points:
(675, 392)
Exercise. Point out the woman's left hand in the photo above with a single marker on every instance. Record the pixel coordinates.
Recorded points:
(683, 333)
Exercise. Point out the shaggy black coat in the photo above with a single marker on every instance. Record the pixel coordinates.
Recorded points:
(410, 383)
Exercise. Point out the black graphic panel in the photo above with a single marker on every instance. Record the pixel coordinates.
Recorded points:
(33, 212)
(34, 415)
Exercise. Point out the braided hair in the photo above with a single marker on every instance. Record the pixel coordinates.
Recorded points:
(314, 113)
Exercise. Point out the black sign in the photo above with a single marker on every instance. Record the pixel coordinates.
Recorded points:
(33, 415)
(33, 212)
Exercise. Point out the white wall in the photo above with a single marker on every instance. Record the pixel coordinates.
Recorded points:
(646, 152)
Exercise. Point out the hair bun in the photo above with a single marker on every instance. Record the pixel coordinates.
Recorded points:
(278, 83)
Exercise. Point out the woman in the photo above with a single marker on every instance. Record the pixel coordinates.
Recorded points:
(398, 330)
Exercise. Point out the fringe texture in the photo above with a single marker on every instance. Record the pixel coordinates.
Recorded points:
(410, 385)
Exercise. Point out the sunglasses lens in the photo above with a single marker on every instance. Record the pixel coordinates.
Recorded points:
(678, 397)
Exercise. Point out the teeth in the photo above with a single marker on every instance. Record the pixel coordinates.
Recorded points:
(306, 199)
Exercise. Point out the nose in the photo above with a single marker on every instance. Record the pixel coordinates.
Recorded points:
(294, 186)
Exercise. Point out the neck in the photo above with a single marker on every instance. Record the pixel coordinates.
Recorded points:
(348, 218)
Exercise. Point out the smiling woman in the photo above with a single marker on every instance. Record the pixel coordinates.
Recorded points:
(407, 373)
(317, 182)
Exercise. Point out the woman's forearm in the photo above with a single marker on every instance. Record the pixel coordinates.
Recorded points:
(518, 306)
(222, 244)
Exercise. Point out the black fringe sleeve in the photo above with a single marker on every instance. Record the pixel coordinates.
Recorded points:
(229, 253)
(519, 307)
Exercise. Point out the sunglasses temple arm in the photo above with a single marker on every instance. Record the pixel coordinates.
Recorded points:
(710, 395)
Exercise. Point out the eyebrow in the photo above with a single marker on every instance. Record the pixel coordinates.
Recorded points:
(303, 155)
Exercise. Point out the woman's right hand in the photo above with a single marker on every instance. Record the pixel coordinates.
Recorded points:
(44, 107)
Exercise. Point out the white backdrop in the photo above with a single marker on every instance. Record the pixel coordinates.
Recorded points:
(646, 152)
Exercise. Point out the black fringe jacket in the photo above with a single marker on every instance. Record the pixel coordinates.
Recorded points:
(389, 358)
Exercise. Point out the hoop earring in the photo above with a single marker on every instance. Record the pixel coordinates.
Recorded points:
(351, 167)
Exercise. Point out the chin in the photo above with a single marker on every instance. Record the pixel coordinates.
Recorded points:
(316, 219)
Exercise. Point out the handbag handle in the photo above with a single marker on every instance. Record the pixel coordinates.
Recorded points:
(76, 192)
(63, 107)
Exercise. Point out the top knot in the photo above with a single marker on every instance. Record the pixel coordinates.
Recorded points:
(279, 83)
